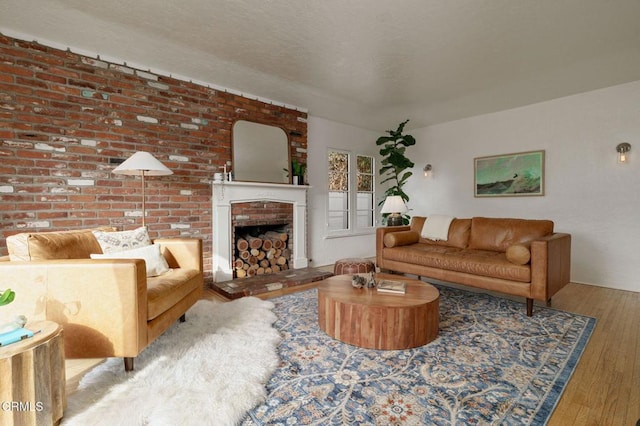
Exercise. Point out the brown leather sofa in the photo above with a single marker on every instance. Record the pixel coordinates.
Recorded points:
(518, 257)
(107, 307)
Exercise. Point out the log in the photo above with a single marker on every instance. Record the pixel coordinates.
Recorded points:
(242, 244)
(273, 235)
(261, 254)
(264, 263)
(260, 271)
(281, 261)
(238, 263)
(254, 242)
(244, 255)
(241, 273)
(275, 268)
(267, 244)
(254, 252)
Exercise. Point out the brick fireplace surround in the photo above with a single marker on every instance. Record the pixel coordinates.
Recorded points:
(65, 116)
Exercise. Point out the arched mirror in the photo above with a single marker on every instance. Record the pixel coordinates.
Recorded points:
(260, 153)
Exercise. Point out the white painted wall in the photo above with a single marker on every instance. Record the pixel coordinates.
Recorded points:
(322, 135)
(587, 193)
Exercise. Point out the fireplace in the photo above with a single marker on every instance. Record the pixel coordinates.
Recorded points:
(239, 204)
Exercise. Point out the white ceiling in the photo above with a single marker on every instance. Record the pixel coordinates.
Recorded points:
(370, 63)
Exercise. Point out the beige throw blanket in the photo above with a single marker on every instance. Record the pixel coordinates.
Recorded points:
(436, 227)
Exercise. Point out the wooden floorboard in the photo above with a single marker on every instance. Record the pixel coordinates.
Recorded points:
(605, 387)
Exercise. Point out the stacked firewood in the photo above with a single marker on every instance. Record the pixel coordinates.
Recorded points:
(265, 254)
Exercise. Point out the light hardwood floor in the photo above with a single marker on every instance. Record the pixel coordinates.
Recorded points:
(605, 387)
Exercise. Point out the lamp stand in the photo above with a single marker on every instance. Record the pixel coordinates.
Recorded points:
(144, 213)
(394, 219)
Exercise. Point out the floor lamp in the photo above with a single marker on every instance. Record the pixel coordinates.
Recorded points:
(142, 164)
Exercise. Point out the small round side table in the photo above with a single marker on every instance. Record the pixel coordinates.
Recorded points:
(33, 377)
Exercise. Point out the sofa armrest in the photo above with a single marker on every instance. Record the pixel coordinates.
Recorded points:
(182, 252)
(550, 265)
(380, 233)
(101, 303)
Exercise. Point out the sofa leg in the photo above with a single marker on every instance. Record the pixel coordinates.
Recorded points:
(128, 363)
(183, 318)
(529, 307)
(548, 302)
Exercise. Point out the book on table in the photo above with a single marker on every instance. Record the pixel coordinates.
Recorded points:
(392, 286)
(14, 336)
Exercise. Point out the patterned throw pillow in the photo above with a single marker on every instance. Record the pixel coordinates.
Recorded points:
(154, 261)
(113, 242)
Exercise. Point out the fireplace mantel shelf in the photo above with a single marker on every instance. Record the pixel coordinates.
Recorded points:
(260, 184)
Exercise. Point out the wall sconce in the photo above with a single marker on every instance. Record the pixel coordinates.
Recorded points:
(428, 170)
(622, 149)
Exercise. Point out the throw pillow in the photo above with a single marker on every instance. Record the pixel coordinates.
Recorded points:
(519, 254)
(113, 242)
(156, 263)
(400, 238)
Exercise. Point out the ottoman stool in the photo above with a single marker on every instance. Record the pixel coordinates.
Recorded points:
(353, 265)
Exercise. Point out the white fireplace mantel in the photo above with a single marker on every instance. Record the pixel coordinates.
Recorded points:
(227, 193)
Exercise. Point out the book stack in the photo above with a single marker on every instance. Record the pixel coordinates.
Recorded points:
(392, 287)
(14, 336)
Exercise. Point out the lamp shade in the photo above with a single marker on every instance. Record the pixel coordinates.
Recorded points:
(142, 162)
(394, 204)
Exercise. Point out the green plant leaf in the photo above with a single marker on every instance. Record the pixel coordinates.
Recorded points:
(384, 139)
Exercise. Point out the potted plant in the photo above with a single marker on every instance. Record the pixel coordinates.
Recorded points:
(7, 296)
(298, 170)
(395, 163)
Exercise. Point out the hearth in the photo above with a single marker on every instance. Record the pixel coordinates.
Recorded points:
(238, 204)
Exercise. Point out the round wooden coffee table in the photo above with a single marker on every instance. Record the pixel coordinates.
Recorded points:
(371, 319)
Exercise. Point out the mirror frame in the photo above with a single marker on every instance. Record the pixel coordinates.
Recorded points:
(233, 151)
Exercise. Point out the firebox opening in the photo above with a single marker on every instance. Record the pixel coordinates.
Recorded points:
(261, 249)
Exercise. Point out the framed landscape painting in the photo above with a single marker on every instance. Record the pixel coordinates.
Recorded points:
(509, 175)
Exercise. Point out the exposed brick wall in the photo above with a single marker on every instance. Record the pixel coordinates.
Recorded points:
(64, 115)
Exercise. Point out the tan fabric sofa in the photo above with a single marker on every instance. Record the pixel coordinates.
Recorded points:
(519, 257)
(107, 307)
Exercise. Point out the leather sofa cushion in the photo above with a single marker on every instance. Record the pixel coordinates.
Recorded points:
(166, 290)
(401, 238)
(498, 234)
(486, 263)
(75, 244)
(458, 232)
(520, 254)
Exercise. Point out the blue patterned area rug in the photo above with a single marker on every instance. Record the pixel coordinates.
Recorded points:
(491, 364)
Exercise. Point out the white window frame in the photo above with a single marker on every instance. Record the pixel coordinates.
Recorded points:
(352, 211)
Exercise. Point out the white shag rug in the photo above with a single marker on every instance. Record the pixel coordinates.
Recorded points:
(210, 369)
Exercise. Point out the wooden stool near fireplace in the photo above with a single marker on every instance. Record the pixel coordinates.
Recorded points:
(353, 265)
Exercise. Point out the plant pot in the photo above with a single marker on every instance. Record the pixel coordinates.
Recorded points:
(297, 180)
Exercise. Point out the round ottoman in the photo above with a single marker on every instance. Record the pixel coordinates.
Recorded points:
(353, 265)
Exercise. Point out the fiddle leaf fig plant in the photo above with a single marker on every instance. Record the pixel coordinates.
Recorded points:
(395, 163)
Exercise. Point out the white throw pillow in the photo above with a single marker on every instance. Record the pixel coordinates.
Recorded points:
(112, 242)
(153, 258)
